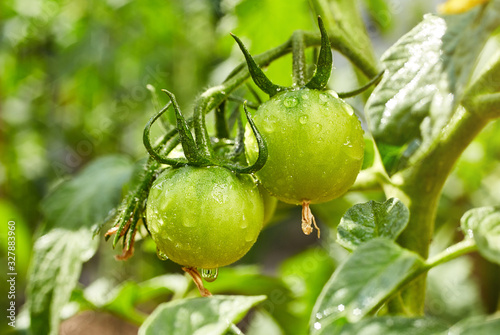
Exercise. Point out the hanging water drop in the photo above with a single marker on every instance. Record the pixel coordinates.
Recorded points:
(209, 275)
(161, 255)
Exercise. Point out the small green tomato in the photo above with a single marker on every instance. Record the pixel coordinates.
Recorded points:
(315, 147)
(204, 217)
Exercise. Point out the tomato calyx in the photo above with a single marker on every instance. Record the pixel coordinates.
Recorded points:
(321, 76)
(194, 154)
(323, 67)
(325, 61)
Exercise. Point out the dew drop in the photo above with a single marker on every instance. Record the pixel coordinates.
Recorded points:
(249, 237)
(318, 127)
(161, 255)
(317, 325)
(357, 312)
(209, 275)
(244, 222)
(290, 102)
(269, 125)
(323, 97)
(303, 119)
(188, 223)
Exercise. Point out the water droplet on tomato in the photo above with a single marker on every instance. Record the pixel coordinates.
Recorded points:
(209, 275)
(269, 125)
(303, 119)
(161, 255)
(290, 102)
(188, 222)
(244, 223)
(318, 126)
(323, 97)
(249, 237)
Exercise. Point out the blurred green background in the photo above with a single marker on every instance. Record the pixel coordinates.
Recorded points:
(73, 78)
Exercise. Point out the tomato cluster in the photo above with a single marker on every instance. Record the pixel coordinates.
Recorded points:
(304, 145)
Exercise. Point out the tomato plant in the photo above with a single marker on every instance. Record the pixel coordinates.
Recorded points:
(401, 173)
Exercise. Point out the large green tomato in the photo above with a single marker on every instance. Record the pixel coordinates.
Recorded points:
(315, 145)
(204, 217)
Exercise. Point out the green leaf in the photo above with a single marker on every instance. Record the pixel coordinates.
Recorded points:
(122, 299)
(305, 274)
(71, 213)
(475, 326)
(388, 326)
(198, 316)
(371, 275)
(263, 323)
(484, 225)
(427, 71)
(453, 293)
(483, 95)
(364, 222)
(246, 280)
(249, 280)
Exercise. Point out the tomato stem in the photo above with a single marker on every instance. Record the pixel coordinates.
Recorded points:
(299, 58)
(221, 127)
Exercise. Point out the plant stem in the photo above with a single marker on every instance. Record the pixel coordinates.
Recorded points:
(461, 248)
(299, 58)
(221, 128)
(419, 187)
(398, 306)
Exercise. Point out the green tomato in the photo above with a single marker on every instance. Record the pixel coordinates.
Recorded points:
(204, 217)
(315, 145)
